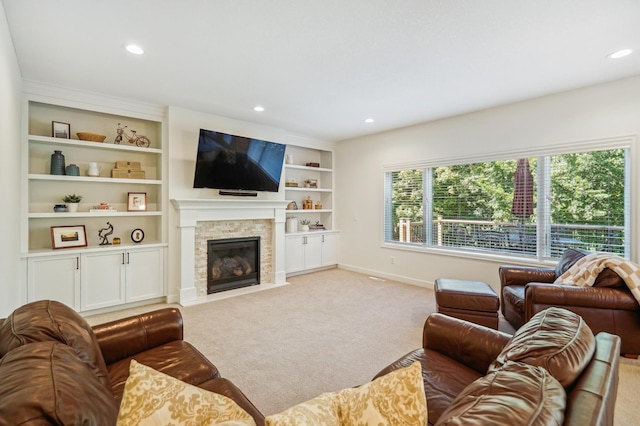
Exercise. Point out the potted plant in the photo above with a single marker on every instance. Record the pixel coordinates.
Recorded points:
(304, 225)
(72, 201)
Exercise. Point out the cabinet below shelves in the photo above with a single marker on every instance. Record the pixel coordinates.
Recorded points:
(311, 250)
(97, 279)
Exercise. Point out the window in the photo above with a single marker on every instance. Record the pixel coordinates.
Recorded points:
(532, 206)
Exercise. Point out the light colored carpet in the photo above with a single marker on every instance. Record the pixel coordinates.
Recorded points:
(325, 331)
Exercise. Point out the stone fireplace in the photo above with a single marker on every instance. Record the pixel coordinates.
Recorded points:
(232, 263)
(209, 219)
(222, 230)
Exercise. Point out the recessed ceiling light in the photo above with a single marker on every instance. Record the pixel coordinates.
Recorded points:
(620, 53)
(135, 49)
(258, 108)
(368, 120)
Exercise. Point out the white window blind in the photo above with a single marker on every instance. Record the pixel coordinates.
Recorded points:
(534, 206)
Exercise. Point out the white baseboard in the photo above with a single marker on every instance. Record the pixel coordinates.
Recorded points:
(394, 277)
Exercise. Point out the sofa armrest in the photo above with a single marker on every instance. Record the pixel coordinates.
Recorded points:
(522, 275)
(592, 399)
(129, 336)
(470, 344)
(539, 296)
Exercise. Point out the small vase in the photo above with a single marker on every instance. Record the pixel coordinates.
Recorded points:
(304, 228)
(72, 170)
(57, 163)
(72, 207)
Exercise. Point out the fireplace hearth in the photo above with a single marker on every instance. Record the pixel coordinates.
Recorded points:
(232, 263)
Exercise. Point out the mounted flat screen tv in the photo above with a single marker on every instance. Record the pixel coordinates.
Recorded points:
(237, 163)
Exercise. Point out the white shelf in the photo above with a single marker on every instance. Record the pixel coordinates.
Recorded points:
(62, 215)
(43, 190)
(314, 169)
(95, 247)
(93, 179)
(92, 145)
(309, 211)
(297, 188)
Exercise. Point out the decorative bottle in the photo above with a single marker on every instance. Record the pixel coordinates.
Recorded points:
(57, 163)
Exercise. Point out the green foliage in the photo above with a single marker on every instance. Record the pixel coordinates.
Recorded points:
(407, 195)
(586, 188)
(480, 191)
(72, 198)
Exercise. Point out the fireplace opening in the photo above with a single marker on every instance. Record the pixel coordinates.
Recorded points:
(232, 263)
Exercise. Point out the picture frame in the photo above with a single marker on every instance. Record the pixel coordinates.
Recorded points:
(137, 202)
(68, 236)
(137, 235)
(60, 130)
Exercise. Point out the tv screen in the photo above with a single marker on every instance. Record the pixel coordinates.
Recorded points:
(231, 162)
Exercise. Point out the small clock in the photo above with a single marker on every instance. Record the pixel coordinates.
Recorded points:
(137, 235)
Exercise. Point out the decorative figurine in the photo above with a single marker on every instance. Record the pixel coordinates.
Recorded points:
(137, 140)
(104, 234)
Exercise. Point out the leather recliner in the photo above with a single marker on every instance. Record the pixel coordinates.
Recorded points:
(607, 306)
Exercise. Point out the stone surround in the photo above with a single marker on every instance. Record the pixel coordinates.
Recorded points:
(229, 219)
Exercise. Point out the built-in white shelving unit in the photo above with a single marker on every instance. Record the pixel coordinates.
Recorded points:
(309, 250)
(96, 276)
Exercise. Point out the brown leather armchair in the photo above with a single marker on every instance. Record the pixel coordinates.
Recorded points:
(607, 306)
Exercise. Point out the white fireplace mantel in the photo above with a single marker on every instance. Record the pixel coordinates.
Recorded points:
(192, 211)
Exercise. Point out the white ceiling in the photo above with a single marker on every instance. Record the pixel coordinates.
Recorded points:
(321, 67)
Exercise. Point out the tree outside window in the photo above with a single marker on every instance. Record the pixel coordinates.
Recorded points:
(578, 200)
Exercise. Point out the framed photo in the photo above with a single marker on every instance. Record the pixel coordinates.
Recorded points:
(137, 235)
(137, 202)
(60, 130)
(68, 236)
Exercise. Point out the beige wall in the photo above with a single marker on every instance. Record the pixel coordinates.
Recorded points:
(184, 126)
(10, 113)
(598, 112)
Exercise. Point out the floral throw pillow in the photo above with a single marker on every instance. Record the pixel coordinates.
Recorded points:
(394, 399)
(152, 398)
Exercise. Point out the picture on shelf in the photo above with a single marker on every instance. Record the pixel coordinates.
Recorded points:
(68, 236)
(60, 130)
(137, 201)
(137, 235)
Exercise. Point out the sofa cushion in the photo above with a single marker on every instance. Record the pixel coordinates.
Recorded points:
(396, 398)
(47, 383)
(514, 296)
(606, 278)
(154, 398)
(568, 259)
(555, 339)
(47, 320)
(517, 394)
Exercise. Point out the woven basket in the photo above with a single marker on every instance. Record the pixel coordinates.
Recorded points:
(92, 137)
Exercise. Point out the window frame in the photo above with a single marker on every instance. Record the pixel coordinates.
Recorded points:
(622, 142)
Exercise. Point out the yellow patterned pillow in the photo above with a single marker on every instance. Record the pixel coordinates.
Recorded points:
(152, 398)
(394, 399)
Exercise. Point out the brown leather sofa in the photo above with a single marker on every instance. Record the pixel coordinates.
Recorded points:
(607, 306)
(46, 347)
(476, 375)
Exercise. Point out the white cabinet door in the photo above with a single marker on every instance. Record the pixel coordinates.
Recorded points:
(294, 254)
(144, 274)
(329, 249)
(102, 279)
(54, 278)
(312, 251)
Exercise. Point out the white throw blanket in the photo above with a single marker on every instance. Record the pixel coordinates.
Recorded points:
(585, 271)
